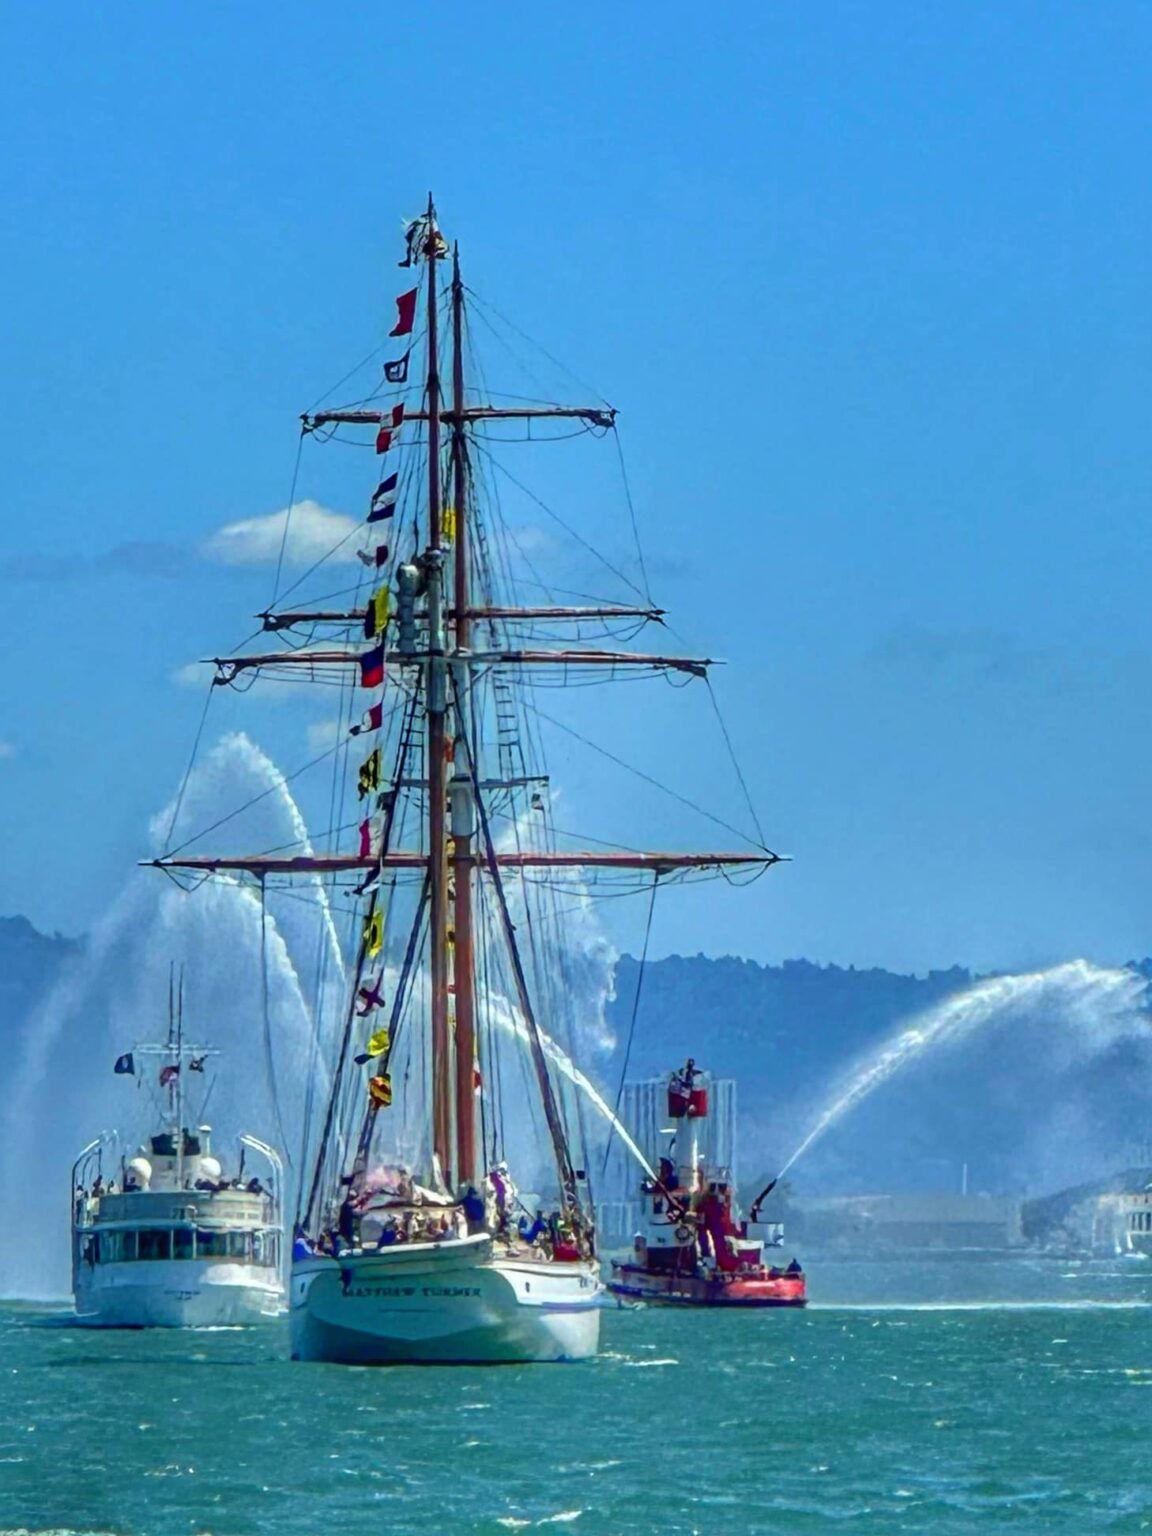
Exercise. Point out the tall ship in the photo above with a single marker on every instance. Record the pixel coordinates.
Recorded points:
(444, 1210)
(165, 1236)
(693, 1248)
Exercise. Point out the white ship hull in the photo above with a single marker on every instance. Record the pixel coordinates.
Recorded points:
(175, 1294)
(443, 1303)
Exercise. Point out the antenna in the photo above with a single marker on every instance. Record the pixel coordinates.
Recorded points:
(180, 1080)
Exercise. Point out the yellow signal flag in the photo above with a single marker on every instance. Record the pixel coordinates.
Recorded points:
(381, 608)
(380, 1090)
(369, 774)
(448, 525)
(379, 1042)
(374, 933)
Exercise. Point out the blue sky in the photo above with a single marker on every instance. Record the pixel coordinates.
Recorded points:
(869, 287)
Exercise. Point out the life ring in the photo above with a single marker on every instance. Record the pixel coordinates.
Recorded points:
(683, 1233)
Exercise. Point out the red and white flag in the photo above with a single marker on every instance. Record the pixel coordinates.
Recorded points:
(390, 423)
(370, 720)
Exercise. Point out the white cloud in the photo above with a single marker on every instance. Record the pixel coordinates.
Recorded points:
(193, 674)
(313, 533)
(323, 734)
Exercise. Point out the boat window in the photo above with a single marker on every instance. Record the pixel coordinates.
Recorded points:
(114, 1247)
(266, 1249)
(182, 1244)
(154, 1243)
(240, 1246)
(211, 1245)
(124, 1246)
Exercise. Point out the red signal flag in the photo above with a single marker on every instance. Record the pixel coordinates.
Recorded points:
(405, 313)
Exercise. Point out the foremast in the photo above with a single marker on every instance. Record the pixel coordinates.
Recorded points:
(437, 736)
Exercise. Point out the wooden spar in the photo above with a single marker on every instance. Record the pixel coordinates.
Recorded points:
(321, 657)
(608, 611)
(463, 811)
(285, 620)
(597, 416)
(437, 741)
(350, 863)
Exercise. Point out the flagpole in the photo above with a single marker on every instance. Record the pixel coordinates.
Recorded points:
(180, 1083)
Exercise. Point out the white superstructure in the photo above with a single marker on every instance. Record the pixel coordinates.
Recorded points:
(166, 1238)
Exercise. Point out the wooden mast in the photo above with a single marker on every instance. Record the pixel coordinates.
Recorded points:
(463, 784)
(437, 703)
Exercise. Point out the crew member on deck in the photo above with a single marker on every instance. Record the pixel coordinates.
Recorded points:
(348, 1220)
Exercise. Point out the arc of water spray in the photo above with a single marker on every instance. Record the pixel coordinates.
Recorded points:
(267, 769)
(956, 1017)
(272, 937)
(513, 1024)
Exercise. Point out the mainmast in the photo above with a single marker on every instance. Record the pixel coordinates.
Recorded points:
(463, 778)
(437, 697)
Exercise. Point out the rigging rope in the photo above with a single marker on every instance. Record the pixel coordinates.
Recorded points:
(631, 1027)
(556, 518)
(337, 1084)
(281, 781)
(564, 1165)
(532, 342)
(735, 761)
(269, 1060)
(632, 515)
(647, 778)
(191, 764)
(287, 518)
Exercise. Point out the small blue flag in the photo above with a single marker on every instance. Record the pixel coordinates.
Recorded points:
(384, 499)
(125, 1064)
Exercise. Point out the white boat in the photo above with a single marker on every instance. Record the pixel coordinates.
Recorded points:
(461, 986)
(166, 1238)
(449, 1303)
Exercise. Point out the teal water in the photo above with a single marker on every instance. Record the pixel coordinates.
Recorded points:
(869, 1418)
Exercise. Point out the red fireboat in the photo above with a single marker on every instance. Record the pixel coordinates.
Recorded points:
(693, 1249)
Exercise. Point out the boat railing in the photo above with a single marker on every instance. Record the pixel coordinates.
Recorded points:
(770, 1233)
(270, 1154)
(88, 1161)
